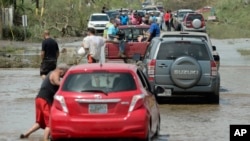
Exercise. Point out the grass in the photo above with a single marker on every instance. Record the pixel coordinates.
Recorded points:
(233, 20)
(10, 49)
(226, 31)
(244, 52)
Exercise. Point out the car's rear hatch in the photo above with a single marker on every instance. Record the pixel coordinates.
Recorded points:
(96, 95)
(183, 64)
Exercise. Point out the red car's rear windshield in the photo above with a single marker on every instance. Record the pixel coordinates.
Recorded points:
(99, 81)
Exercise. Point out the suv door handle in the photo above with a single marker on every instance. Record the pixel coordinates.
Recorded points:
(162, 66)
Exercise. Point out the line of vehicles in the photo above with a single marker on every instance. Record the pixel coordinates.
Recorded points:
(119, 100)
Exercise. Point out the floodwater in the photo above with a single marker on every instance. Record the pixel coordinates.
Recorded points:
(189, 121)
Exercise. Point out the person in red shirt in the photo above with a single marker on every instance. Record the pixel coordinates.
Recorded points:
(167, 18)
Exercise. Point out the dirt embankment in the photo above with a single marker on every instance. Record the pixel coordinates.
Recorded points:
(15, 54)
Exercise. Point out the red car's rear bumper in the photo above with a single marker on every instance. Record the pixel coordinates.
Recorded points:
(134, 125)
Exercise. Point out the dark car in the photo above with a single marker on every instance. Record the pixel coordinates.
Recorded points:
(112, 13)
(183, 66)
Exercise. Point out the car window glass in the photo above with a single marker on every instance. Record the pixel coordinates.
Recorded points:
(187, 36)
(170, 51)
(147, 55)
(99, 18)
(143, 81)
(103, 81)
(191, 17)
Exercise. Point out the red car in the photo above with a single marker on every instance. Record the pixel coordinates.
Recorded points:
(133, 46)
(105, 101)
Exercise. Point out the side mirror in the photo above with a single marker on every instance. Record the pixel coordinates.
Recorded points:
(159, 89)
(214, 48)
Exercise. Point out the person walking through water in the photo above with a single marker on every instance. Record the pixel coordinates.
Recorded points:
(44, 100)
(93, 45)
(49, 54)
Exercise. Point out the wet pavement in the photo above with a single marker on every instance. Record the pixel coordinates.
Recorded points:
(188, 121)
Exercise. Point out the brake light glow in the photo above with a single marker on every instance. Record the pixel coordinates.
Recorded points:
(137, 102)
(60, 103)
(213, 68)
(151, 70)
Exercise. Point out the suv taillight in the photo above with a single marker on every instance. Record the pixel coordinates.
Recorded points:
(60, 103)
(203, 23)
(188, 24)
(213, 68)
(151, 70)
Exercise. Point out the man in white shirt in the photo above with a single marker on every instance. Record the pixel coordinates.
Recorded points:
(93, 45)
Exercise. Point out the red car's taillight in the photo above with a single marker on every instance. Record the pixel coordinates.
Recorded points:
(60, 104)
(213, 68)
(151, 70)
(137, 102)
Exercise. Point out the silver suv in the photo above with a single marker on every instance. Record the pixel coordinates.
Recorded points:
(183, 66)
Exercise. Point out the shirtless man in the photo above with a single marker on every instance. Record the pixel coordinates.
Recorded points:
(44, 100)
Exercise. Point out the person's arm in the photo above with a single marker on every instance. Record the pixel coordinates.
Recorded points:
(43, 50)
(42, 54)
(55, 78)
(151, 29)
(57, 52)
(86, 44)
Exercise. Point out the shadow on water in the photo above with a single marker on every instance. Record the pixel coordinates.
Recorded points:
(187, 99)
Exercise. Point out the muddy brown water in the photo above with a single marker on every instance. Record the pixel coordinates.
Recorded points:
(188, 121)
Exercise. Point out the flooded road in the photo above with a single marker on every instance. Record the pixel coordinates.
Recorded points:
(180, 122)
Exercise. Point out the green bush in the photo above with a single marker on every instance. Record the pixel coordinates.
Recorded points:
(15, 33)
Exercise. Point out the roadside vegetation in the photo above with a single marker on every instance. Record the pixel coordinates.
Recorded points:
(233, 20)
(69, 17)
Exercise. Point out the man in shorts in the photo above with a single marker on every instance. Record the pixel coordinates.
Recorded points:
(44, 100)
(49, 54)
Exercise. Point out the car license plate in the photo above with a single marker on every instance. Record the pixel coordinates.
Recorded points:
(167, 92)
(98, 108)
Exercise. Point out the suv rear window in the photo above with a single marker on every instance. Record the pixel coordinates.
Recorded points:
(99, 18)
(103, 81)
(191, 17)
(187, 36)
(170, 51)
